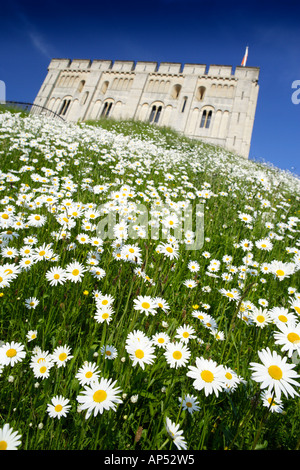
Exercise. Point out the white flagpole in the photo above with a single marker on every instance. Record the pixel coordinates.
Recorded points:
(245, 57)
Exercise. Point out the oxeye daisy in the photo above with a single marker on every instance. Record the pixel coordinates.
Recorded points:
(177, 354)
(59, 407)
(281, 315)
(169, 250)
(230, 294)
(231, 379)
(288, 337)
(31, 303)
(88, 373)
(104, 300)
(185, 333)
(261, 317)
(74, 271)
(97, 272)
(109, 352)
(31, 335)
(9, 252)
(161, 303)
(264, 244)
(42, 252)
(61, 355)
(295, 305)
(41, 368)
(4, 278)
(176, 434)
(274, 404)
(36, 220)
(209, 322)
(145, 304)
(104, 314)
(275, 374)
(281, 270)
(190, 283)
(207, 375)
(11, 353)
(140, 352)
(160, 339)
(189, 403)
(99, 396)
(56, 275)
(194, 266)
(9, 439)
(26, 263)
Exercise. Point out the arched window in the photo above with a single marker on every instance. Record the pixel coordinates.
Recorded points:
(64, 107)
(200, 93)
(176, 91)
(206, 119)
(84, 98)
(184, 104)
(80, 86)
(106, 109)
(104, 87)
(155, 113)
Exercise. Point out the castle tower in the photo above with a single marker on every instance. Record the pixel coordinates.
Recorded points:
(213, 104)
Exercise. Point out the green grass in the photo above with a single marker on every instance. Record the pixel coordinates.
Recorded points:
(73, 161)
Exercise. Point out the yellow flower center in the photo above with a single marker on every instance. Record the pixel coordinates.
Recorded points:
(131, 250)
(280, 272)
(56, 276)
(89, 374)
(177, 355)
(43, 369)
(228, 375)
(37, 217)
(3, 445)
(75, 272)
(283, 318)
(260, 318)
(145, 305)
(108, 353)
(207, 376)
(11, 353)
(275, 372)
(105, 316)
(5, 216)
(185, 334)
(161, 340)
(42, 253)
(104, 302)
(169, 249)
(139, 354)
(58, 408)
(293, 338)
(62, 356)
(99, 396)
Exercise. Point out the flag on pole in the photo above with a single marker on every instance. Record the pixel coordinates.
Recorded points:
(245, 58)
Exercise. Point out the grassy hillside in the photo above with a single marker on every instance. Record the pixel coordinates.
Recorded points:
(149, 291)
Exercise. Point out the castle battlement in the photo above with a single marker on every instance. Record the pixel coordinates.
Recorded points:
(214, 103)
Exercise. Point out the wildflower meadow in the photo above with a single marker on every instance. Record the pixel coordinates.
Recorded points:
(149, 291)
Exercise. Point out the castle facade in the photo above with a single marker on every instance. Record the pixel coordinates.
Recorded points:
(213, 104)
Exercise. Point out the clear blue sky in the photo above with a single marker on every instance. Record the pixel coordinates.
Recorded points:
(185, 31)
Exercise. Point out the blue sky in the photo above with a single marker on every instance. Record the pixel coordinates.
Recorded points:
(184, 31)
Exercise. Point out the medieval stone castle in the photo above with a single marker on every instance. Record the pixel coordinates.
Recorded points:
(213, 104)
